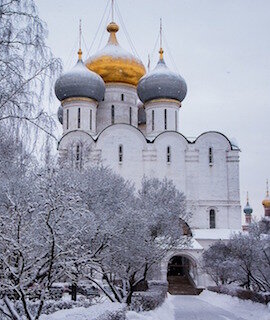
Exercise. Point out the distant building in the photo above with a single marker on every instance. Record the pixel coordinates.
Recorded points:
(114, 113)
(248, 216)
(266, 202)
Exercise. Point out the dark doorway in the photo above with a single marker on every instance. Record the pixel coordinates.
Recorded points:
(178, 275)
(178, 266)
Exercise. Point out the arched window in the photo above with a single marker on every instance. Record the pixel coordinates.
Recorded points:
(112, 114)
(91, 119)
(165, 119)
(79, 118)
(67, 118)
(122, 97)
(120, 153)
(212, 219)
(210, 154)
(175, 115)
(168, 154)
(153, 120)
(130, 115)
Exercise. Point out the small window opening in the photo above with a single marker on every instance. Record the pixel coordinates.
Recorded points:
(165, 119)
(120, 153)
(130, 115)
(212, 219)
(210, 156)
(168, 154)
(91, 118)
(79, 118)
(112, 114)
(78, 156)
(67, 118)
(176, 127)
(153, 120)
(122, 97)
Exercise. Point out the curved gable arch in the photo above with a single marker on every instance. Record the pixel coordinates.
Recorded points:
(74, 133)
(209, 133)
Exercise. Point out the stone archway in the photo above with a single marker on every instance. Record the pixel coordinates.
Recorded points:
(180, 270)
(178, 276)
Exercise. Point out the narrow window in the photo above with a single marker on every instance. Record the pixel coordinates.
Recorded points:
(212, 219)
(176, 121)
(130, 115)
(91, 118)
(122, 97)
(168, 154)
(153, 120)
(67, 118)
(210, 156)
(165, 119)
(79, 118)
(78, 157)
(120, 153)
(112, 114)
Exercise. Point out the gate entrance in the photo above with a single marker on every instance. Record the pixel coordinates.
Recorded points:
(179, 278)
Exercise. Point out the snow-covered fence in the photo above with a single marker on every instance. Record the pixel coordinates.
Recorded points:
(150, 299)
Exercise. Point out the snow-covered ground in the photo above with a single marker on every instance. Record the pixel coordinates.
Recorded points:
(206, 306)
(84, 313)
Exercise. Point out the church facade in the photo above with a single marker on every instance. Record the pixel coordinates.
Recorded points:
(115, 113)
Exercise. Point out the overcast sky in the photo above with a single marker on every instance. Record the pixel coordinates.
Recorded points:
(220, 47)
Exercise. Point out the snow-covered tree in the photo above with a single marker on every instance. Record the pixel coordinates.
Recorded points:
(245, 259)
(134, 230)
(27, 66)
(39, 223)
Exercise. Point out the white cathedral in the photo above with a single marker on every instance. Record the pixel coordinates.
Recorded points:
(114, 113)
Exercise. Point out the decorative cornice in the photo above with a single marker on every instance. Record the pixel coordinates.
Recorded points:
(75, 99)
(163, 101)
(111, 84)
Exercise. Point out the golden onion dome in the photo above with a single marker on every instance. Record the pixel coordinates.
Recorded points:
(114, 64)
(266, 201)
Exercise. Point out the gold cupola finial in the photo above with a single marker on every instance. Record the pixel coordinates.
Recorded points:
(112, 28)
(160, 39)
(80, 41)
(267, 189)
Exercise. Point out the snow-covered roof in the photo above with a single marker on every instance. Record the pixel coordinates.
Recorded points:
(194, 244)
(214, 234)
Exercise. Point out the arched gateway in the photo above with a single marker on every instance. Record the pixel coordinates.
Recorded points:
(180, 269)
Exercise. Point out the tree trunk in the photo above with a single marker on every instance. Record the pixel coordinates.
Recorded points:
(129, 297)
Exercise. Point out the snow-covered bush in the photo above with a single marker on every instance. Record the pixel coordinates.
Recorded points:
(244, 260)
(242, 293)
(150, 299)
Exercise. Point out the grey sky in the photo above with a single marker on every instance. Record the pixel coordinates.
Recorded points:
(220, 47)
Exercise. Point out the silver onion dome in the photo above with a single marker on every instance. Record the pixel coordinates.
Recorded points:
(247, 209)
(80, 82)
(162, 83)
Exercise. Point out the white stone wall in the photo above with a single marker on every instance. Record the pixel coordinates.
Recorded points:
(113, 97)
(156, 108)
(88, 108)
(206, 186)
